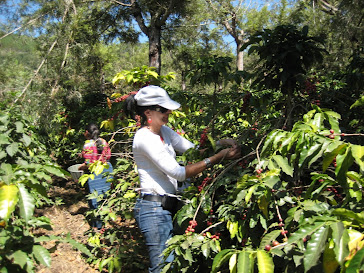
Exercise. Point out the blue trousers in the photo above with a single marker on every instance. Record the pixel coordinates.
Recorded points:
(156, 225)
(101, 186)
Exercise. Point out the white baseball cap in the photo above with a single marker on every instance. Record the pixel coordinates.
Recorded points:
(155, 95)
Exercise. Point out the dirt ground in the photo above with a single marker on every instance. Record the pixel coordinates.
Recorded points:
(67, 218)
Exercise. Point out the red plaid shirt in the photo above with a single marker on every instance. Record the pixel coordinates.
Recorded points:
(90, 153)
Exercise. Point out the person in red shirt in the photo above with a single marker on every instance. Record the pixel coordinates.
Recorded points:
(96, 148)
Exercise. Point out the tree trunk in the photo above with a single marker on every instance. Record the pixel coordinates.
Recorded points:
(288, 89)
(183, 80)
(155, 48)
(239, 56)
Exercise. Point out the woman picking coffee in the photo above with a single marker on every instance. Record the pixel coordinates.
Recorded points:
(154, 150)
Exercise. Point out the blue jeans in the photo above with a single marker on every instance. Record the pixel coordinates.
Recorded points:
(101, 186)
(156, 225)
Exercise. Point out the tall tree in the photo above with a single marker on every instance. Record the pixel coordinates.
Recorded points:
(340, 21)
(151, 16)
(193, 37)
(240, 20)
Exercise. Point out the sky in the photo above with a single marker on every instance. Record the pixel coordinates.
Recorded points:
(14, 4)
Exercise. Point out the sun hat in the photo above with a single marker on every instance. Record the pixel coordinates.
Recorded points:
(155, 95)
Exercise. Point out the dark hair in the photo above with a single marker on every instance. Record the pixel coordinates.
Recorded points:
(131, 108)
(94, 132)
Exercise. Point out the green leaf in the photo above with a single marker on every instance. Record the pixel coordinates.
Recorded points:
(233, 228)
(8, 200)
(333, 119)
(341, 238)
(41, 222)
(205, 248)
(44, 176)
(188, 255)
(99, 168)
(277, 139)
(4, 139)
(356, 262)
(83, 179)
(12, 149)
(19, 257)
(315, 246)
(27, 140)
(233, 263)
(283, 164)
(54, 170)
(343, 161)
(212, 141)
(153, 73)
(2, 154)
(26, 203)
(47, 238)
(250, 193)
(269, 238)
(319, 154)
(349, 215)
(78, 246)
(358, 154)
(329, 262)
(359, 102)
(103, 263)
(42, 255)
(19, 127)
(222, 257)
(318, 191)
(332, 114)
(166, 268)
(287, 143)
(244, 264)
(8, 170)
(263, 204)
(268, 142)
(304, 231)
(317, 120)
(265, 262)
(312, 151)
(329, 157)
(37, 187)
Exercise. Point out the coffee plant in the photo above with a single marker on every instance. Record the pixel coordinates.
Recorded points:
(292, 202)
(25, 175)
(297, 206)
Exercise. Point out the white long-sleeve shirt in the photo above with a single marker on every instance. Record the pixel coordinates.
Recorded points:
(156, 161)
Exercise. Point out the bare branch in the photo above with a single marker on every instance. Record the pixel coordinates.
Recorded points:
(121, 3)
(28, 23)
(166, 13)
(36, 72)
(327, 7)
(137, 12)
(54, 88)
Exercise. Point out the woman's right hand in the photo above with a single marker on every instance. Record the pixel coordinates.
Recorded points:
(82, 167)
(229, 153)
